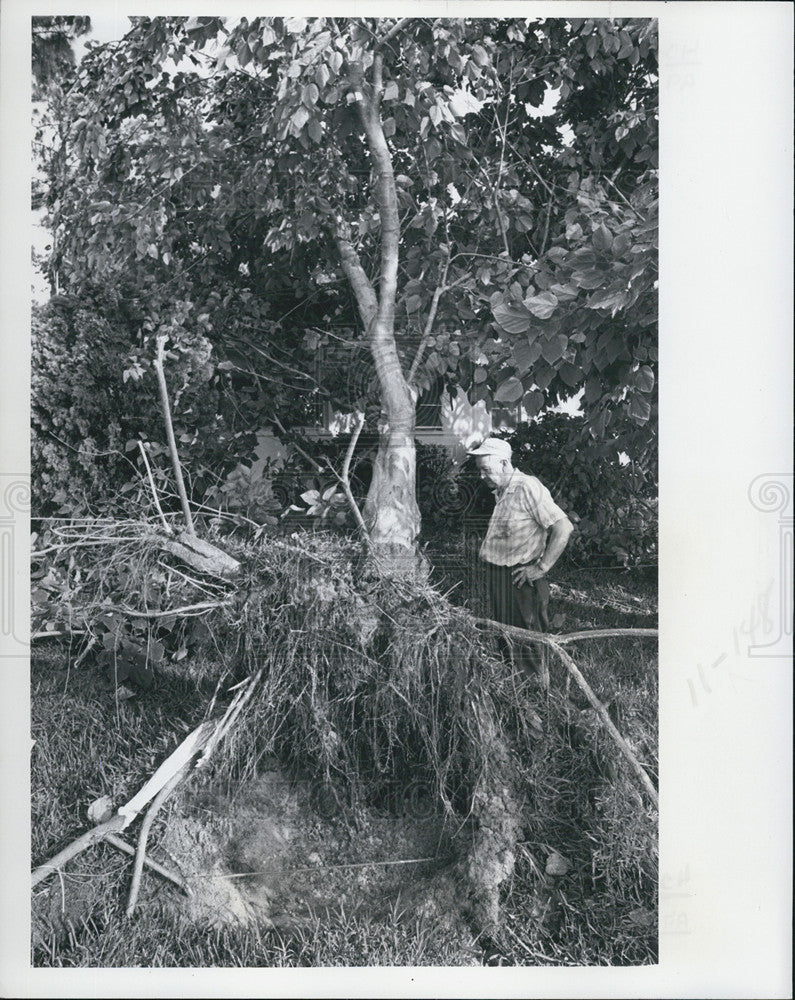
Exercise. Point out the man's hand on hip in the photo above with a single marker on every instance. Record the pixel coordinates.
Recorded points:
(527, 574)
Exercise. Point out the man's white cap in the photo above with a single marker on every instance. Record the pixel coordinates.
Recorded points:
(493, 446)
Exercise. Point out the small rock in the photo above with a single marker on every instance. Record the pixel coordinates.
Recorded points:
(100, 809)
(535, 721)
(557, 864)
(643, 918)
(314, 858)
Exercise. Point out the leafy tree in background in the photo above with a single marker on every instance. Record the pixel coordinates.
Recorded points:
(52, 55)
(386, 184)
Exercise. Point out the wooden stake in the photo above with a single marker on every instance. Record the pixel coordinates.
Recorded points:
(172, 441)
(155, 497)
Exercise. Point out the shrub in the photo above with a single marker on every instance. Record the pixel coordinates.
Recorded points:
(613, 505)
(93, 396)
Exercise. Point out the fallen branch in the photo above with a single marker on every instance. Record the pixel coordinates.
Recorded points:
(114, 825)
(203, 739)
(187, 609)
(65, 546)
(166, 873)
(89, 646)
(566, 637)
(245, 691)
(604, 633)
(556, 643)
(200, 555)
(601, 711)
(202, 585)
(190, 746)
(190, 549)
(54, 635)
(143, 836)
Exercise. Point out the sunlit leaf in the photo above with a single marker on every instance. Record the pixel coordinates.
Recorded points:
(644, 379)
(510, 391)
(512, 318)
(639, 409)
(542, 305)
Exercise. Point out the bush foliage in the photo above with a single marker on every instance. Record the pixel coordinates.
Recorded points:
(94, 396)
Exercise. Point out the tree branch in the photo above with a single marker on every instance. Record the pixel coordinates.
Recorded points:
(188, 609)
(113, 825)
(605, 633)
(556, 643)
(440, 289)
(316, 465)
(394, 30)
(166, 873)
(344, 480)
(545, 237)
(397, 399)
(140, 853)
(497, 211)
(363, 291)
(386, 199)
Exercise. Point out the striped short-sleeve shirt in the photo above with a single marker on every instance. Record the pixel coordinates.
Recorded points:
(523, 514)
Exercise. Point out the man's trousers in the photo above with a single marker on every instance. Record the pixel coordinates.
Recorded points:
(525, 606)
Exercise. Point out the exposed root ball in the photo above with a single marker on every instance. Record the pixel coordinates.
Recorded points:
(367, 685)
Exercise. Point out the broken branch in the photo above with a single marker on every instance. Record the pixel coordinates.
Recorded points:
(166, 873)
(555, 643)
(187, 609)
(140, 854)
(113, 825)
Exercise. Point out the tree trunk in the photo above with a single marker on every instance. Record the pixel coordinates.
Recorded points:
(390, 513)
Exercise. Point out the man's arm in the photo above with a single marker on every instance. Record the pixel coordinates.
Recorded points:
(557, 539)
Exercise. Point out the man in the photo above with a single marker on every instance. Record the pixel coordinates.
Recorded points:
(526, 536)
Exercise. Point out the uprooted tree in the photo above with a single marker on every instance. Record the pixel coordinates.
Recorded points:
(261, 189)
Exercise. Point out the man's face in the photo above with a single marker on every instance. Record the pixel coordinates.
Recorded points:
(494, 470)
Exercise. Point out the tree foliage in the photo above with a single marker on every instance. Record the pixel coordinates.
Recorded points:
(91, 403)
(258, 169)
(52, 55)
